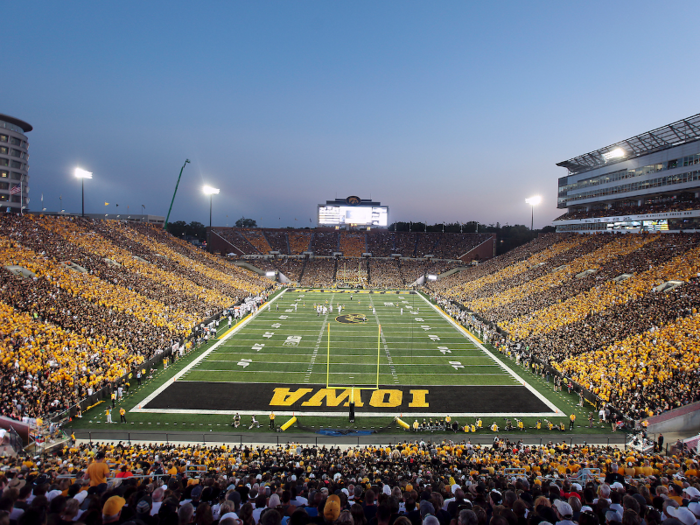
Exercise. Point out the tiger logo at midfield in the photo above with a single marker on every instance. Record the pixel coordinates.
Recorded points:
(351, 318)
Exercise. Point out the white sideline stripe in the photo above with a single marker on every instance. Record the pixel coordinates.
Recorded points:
(498, 361)
(343, 412)
(244, 371)
(195, 362)
(332, 363)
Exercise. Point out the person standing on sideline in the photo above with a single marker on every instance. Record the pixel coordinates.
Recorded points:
(272, 421)
(114, 397)
(572, 420)
(122, 415)
(108, 413)
(138, 376)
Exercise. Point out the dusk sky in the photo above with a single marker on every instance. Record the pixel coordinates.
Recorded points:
(444, 111)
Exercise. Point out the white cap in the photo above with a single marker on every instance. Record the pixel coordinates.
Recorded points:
(682, 514)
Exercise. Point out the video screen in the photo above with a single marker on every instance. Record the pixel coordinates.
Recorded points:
(356, 215)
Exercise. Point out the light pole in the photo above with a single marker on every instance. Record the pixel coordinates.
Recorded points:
(208, 190)
(533, 201)
(82, 175)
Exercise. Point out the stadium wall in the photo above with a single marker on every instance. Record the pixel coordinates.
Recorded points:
(684, 420)
(486, 250)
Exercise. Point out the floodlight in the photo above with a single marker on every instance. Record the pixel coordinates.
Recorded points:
(534, 201)
(208, 190)
(82, 174)
(615, 154)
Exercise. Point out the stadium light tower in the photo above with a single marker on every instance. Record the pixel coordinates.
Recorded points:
(208, 190)
(533, 201)
(82, 175)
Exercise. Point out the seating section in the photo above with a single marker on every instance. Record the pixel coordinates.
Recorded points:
(165, 482)
(257, 238)
(277, 239)
(324, 243)
(105, 297)
(352, 244)
(318, 272)
(299, 242)
(595, 308)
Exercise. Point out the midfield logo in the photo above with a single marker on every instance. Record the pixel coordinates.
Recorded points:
(351, 318)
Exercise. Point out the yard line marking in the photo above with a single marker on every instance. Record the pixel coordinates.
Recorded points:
(204, 355)
(508, 370)
(386, 347)
(318, 341)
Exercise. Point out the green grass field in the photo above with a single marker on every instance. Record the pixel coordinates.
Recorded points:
(297, 350)
(428, 367)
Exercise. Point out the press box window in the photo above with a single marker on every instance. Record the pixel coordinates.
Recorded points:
(15, 141)
(3, 138)
(16, 176)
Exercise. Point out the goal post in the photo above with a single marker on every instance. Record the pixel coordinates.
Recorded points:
(330, 384)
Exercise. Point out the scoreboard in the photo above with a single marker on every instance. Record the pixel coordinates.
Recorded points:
(353, 211)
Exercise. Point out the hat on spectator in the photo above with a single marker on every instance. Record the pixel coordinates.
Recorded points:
(331, 509)
(113, 506)
(426, 508)
(682, 514)
(564, 508)
(692, 493)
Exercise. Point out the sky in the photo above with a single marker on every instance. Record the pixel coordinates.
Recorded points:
(443, 111)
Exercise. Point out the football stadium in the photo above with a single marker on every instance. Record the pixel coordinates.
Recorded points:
(361, 359)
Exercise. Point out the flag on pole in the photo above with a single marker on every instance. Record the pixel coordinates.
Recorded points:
(106, 203)
(15, 190)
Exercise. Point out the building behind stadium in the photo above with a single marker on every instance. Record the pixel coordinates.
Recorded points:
(14, 163)
(650, 182)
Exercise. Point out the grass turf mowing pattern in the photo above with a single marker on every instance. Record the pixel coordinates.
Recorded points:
(418, 347)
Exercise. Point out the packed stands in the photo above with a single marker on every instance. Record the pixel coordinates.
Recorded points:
(381, 243)
(425, 243)
(385, 273)
(405, 244)
(299, 242)
(235, 241)
(277, 239)
(291, 268)
(324, 243)
(257, 238)
(423, 483)
(318, 272)
(95, 298)
(616, 313)
(352, 244)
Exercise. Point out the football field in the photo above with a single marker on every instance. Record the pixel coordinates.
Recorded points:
(391, 353)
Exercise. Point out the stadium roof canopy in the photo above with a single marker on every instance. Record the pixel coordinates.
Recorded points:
(679, 132)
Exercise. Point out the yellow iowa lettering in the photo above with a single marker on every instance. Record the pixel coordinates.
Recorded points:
(418, 400)
(331, 399)
(386, 398)
(283, 397)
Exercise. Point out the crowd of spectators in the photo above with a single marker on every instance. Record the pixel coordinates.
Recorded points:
(325, 243)
(385, 273)
(277, 239)
(85, 302)
(319, 272)
(410, 483)
(381, 243)
(256, 237)
(299, 242)
(352, 244)
(592, 308)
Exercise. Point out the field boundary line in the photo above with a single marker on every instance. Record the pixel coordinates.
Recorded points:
(199, 359)
(508, 370)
